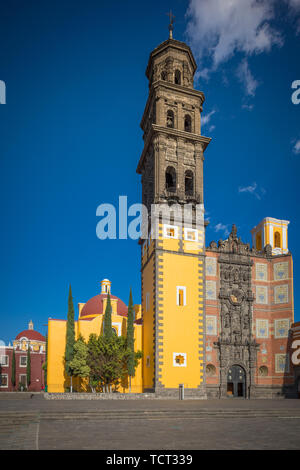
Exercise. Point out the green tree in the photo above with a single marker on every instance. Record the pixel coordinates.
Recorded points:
(107, 330)
(130, 340)
(28, 367)
(79, 362)
(13, 369)
(107, 358)
(70, 338)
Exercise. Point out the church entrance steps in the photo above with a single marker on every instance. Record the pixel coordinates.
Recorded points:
(17, 418)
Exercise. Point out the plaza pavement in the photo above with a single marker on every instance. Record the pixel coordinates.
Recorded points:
(36, 423)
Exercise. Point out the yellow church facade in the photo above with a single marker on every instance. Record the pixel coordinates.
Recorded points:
(214, 318)
(90, 320)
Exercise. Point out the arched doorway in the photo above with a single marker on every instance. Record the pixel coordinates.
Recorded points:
(236, 381)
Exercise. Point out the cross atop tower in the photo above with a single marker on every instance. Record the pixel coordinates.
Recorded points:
(171, 27)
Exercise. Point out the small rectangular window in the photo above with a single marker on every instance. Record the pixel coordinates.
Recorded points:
(4, 360)
(148, 361)
(4, 380)
(170, 231)
(147, 301)
(23, 361)
(191, 234)
(23, 380)
(181, 296)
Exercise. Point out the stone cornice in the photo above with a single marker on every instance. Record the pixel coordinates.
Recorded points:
(155, 130)
(161, 84)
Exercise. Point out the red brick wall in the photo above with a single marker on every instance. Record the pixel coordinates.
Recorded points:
(270, 311)
(37, 373)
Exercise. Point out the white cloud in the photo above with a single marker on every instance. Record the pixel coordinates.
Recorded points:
(253, 189)
(294, 4)
(205, 118)
(296, 148)
(222, 228)
(249, 107)
(294, 9)
(219, 28)
(246, 78)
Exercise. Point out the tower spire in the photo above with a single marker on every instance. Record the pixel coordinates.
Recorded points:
(171, 27)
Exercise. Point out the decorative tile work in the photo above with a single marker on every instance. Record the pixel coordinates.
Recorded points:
(179, 359)
(211, 325)
(211, 266)
(262, 328)
(261, 272)
(281, 294)
(264, 349)
(282, 363)
(282, 328)
(281, 271)
(211, 290)
(261, 295)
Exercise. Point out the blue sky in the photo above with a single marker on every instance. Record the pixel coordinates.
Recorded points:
(70, 137)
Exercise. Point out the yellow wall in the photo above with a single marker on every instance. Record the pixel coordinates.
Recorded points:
(178, 329)
(148, 318)
(57, 342)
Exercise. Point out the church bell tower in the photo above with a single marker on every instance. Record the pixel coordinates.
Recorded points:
(173, 259)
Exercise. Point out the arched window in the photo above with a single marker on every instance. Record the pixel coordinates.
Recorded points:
(210, 370)
(277, 240)
(170, 179)
(258, 241)
(189, 183)
(177, 77)
(263, 371)
(164, 75)
(170, 119)
(187, 123)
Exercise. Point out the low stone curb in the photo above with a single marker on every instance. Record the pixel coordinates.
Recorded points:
(103, 396)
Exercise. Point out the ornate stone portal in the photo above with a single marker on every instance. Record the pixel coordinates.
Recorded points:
(236, 345)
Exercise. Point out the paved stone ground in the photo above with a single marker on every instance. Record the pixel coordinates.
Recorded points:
(252, 434)
(31, 423)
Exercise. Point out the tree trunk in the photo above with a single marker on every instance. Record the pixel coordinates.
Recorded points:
(71, 387)
(130, 384)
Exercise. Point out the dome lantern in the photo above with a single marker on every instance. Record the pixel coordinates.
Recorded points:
(105, 286)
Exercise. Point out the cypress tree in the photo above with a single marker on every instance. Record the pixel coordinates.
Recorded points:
(28, 367)
(13, 369)
(70, 337)
(107, 330)
(130, 339)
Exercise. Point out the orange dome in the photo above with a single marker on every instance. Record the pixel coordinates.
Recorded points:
(94, 306)
(31, 335)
